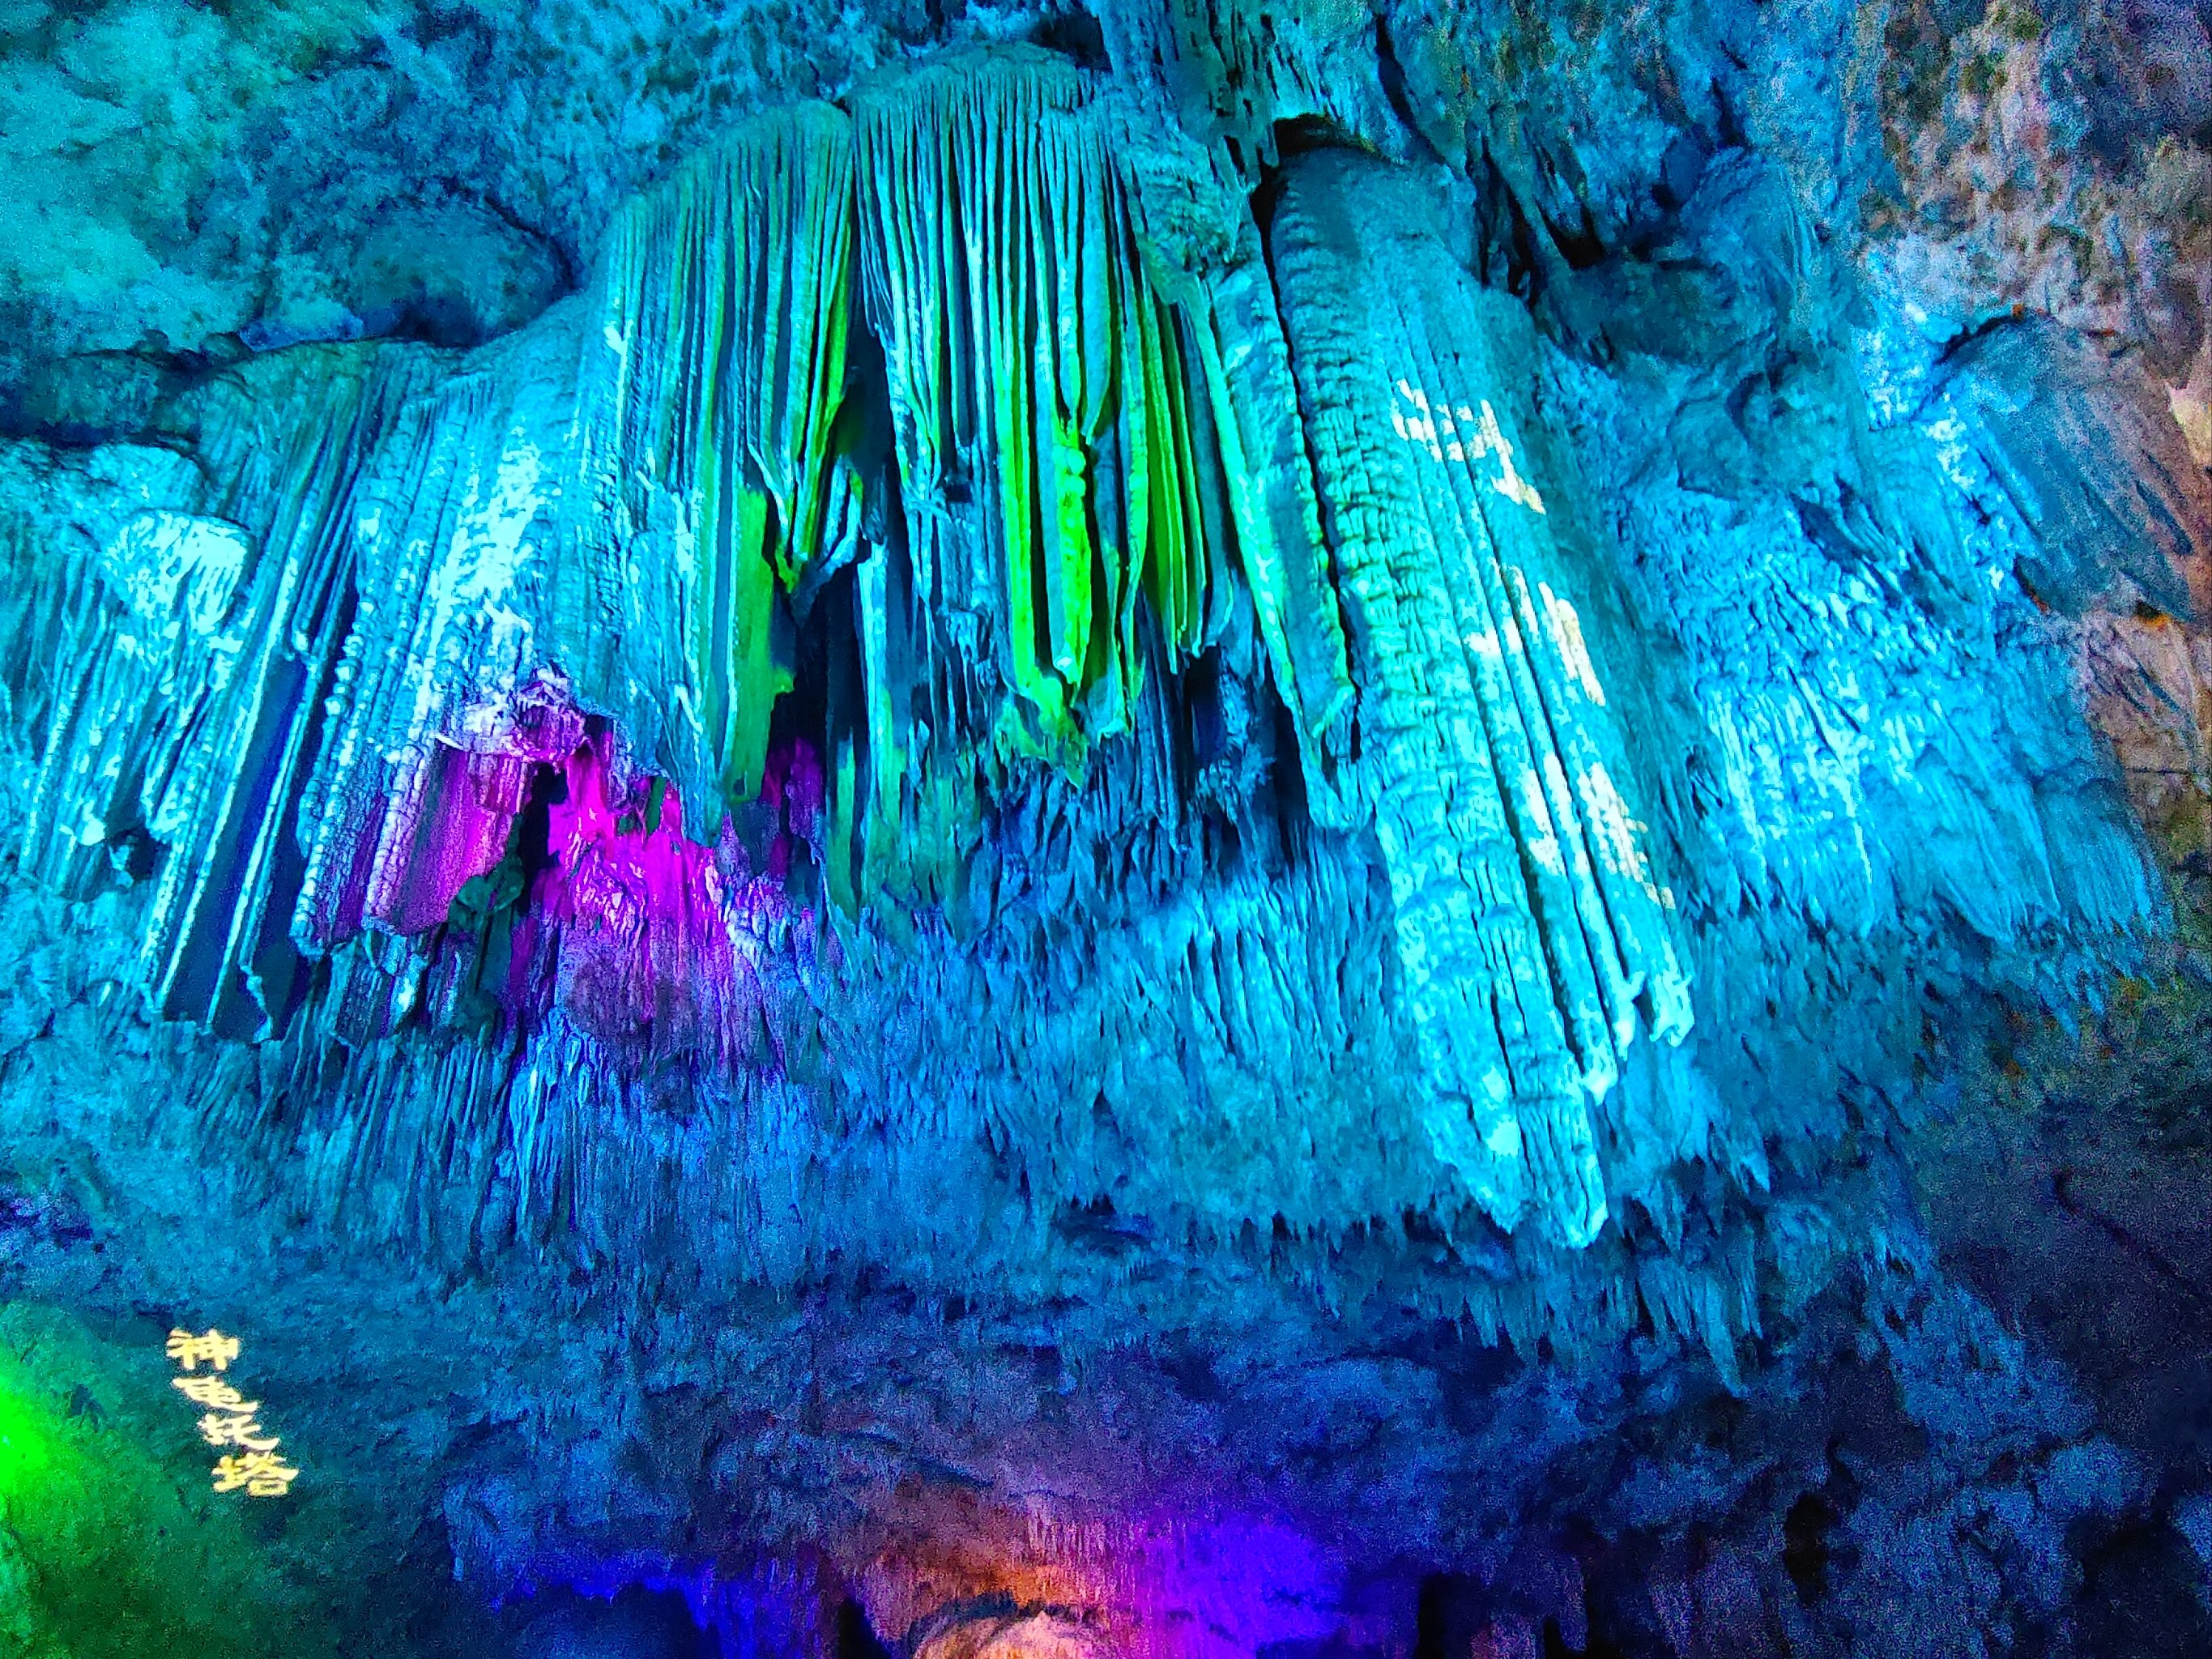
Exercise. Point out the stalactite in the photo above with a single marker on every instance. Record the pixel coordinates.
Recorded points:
(712, 376)
(199, 653)
(1236, 75)
(1283, 555)
(1051, 461)
(1115, 718)
(1532, 926)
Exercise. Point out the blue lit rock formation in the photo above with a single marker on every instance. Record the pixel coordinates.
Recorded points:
(1207, 831)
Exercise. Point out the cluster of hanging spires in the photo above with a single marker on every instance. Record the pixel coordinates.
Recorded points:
(1064, 438)
(901, 392)
(937, 693)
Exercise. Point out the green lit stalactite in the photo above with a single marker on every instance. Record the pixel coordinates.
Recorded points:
(714, 385)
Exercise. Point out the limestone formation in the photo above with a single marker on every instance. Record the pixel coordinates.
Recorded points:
(1190, 829)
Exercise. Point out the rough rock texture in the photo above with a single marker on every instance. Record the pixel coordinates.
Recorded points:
(1210, 830)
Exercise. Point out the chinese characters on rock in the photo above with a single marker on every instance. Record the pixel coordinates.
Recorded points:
(250, 1462)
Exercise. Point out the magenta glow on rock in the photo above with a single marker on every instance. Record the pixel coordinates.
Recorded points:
(643, 936)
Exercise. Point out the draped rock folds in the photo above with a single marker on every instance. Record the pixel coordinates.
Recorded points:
(914, 693)
(712, 381)
(179, 680)
(1058, 445)
(1530, 917)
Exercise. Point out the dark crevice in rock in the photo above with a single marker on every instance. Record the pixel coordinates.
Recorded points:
(2062, 1189)
(1391, 74)
(1074, 31)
